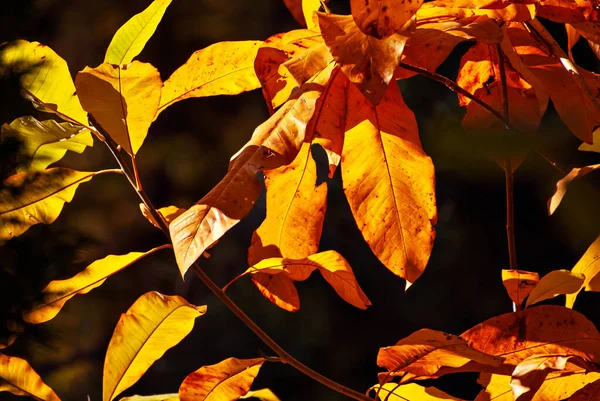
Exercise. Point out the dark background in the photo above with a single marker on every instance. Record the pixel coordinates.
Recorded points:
(186, 153)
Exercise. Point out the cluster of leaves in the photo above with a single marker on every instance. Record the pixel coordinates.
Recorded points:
(332, 84)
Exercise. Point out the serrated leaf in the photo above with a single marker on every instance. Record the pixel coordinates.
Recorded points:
(382, 18)
(224, 68)
(58, 292)
(411, 392)
(563, 183)
(557, 282)
(130, 39)
(123, 99)
(27, 199)
(46, 142)
(19, 378)
(44, 77)
(519, 284)
(589, 266)
(151, 326)
(226, 381)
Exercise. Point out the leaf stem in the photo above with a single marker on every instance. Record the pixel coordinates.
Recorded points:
(284, 356)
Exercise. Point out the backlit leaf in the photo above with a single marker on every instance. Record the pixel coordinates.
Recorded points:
(224, 68)
(263, 394)
(151, 326)
(563, 183)
(368, 62)
(595, 147)
(557, 282)
(519, 284)
(390, 187)
(123, 99)
(46, 142)
(27, 199)
(303, 11)
(589, 266)
(382, 18)
(590, 392)
(226, 381)
(170, 213)
(565, 10)
(411, 392)
(44, 77)
(504, 11)
(19, 378)
(58, 292)
(130, 39)
(274, 143)
(157, 397)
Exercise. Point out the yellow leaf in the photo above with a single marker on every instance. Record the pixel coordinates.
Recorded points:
(58, 292)
(555, 283)
(226, 381)
(411, 392)
(589, 266)
(504, 11)
(130, 39)
(225, 68)
(382, 18)
(152, 325)
(27, 199)
(170, 213)
(156, 397)
(19, 378)
(390, 187)
(562, 184)
(595, 146)
(274, 143)
(44, 77)
(123, 99)
(264, 394)
(588, 393)
(519, 283)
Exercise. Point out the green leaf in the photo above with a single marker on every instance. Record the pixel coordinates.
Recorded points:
(46, 142)
(44, 77)
(27, 199)
(130, 39)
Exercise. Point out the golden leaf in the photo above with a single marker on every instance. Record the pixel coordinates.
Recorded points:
(383, 18)
(589, 266)
(19, 378)
(504, 11)
(563, 183)
(519, 283)
(588, 393)
(555, 283)
(170, 213)
(412, 392)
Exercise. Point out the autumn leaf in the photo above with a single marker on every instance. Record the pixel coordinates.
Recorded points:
(595, 147)
(263, 394)
(368, 62)
(425, 352)
(58, 292)
(589, 30)
(170, 213)
(123, 99)
(503, 11)
(383, 18)
(587, 393)
(45, 142)
(589, 266)
(563, 11)
(412, 392)
(27, 199)
(557, 282)
(19, 378)
(304, 64)
(563, 183)
(156, 397)
(226, 381)
(390, 187)
(274, 143)
(519, 284)
(44, 77)
(224, 68)
(303, 11)
(151, 326)
(130, 39)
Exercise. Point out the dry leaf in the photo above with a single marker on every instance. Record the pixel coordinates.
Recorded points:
(557, 282)
(563, 183)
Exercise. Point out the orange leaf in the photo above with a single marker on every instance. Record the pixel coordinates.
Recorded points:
(589, 266)
(562, 184)
(367, 61)
(382, 18)
(519, 283)
(497, 9)
(390, 187)
(226, 381)
(566, 11)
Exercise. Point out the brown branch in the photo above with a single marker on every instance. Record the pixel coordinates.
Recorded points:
(283, 355)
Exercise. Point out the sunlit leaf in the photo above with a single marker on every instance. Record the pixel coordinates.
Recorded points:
(151, 326)
(224, 68)
(557, 282)
(390, 187)
(590, 392)
(589, 266)
(519, 284)
(411, 392)
(563, 183)
(368, 62)
(572, 38)
(19, 378)
(226, 381)
(27, 199)
(170, 213)
(123, 99)
(263, 394)
(565, 10)
(58, 292)
(130, 39)
(274, 143)
(45, 142)
(157, 397)
(503, 11)
(303, 11)
(382, 18)
(44, 77)
(595, 147)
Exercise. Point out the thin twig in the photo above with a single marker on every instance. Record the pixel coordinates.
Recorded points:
(284, 356)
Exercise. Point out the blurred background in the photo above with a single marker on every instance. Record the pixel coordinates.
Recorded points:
(187, 152)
